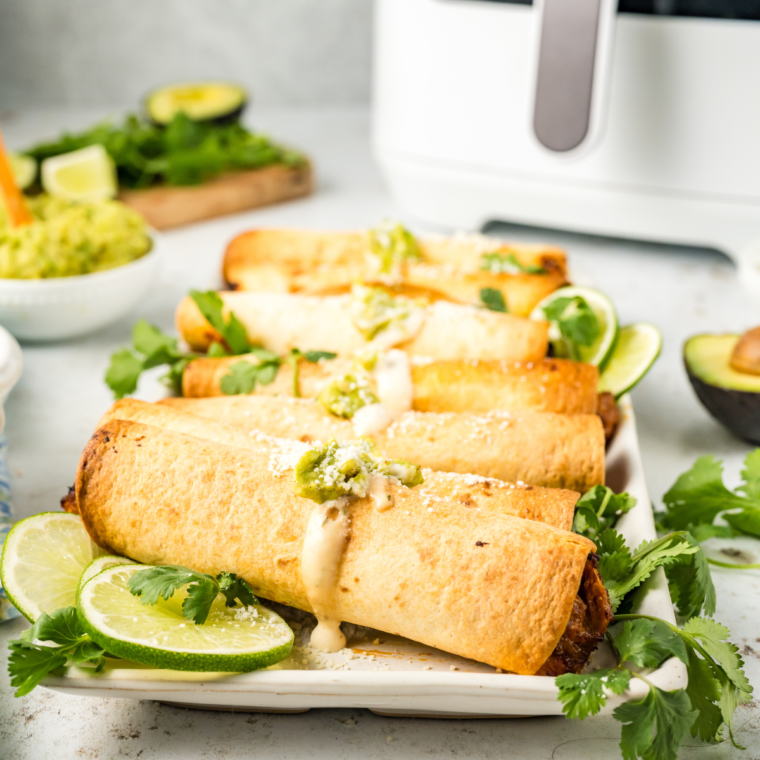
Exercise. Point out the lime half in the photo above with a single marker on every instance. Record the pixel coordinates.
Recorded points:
(88, 174)
(43, 559)
(233, 639)
(24, 169)
(599, 352)
(637, 348)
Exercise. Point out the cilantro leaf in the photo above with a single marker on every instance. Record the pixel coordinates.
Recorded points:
(507, 263)
(575, 320)
(200, 596)
(316, 356)
(244, 376)
(30, 662)
(123, 372)
(583, 694)
(704, 693)
(599, 509)
(678, 553)
(704, 532)
(654, 727)
(698, 496)
(711, 635)
(235, 588)
(151, 349)
(233, 333)
(690, 582)
(751, 476)
(648, 643)
(493, 300)
(164, 581)
(745, 521)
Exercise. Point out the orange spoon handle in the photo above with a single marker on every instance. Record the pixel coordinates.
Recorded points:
(15, 205)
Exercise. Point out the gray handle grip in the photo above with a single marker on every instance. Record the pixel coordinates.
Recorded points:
(568, 50)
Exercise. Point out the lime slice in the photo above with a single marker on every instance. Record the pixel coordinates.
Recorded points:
(233, 639)
(88, 174)
(637, 348)
(24, 169)
(600, 350)
(100, 564)
(43, 558)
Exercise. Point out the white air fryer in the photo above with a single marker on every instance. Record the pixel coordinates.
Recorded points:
(639, 122)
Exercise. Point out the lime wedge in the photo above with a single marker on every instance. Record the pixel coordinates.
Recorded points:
(233, 639)
(600, 350)
(637, 348)
(100, 564)
(24, 169)
(43, 558)
(88, 174)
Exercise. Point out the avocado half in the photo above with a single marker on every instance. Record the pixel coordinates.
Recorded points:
(218, 102)
(732, 397)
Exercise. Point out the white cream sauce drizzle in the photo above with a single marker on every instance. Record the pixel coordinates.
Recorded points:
(323, 544)
(393, 375)
(380, 492)
(371, 419)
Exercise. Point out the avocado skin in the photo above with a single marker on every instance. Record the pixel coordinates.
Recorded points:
(739, 411)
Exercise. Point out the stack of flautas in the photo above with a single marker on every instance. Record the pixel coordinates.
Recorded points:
(309, 486)
(452, 563)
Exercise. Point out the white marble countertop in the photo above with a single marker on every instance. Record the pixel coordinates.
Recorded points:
(61, 395)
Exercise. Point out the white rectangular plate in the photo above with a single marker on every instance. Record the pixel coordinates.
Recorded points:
(387, 674)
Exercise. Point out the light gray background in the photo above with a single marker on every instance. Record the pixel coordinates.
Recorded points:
(110, 52)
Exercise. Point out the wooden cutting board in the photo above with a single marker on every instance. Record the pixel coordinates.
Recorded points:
(166, 207)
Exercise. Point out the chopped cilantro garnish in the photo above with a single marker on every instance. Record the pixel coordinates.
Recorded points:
(374, 310)
(507, 263)
(493, 300)
(393, 245)
(575, 320)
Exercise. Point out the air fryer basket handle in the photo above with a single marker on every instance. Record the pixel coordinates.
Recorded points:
(574, 58)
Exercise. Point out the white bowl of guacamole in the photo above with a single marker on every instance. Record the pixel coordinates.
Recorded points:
(78, 267)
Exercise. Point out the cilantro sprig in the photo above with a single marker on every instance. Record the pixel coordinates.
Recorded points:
(507, 263)
(493, 300)
(32, 657)
(153, 348)
(699, 497)
(244, 376)
(575, 320)
(163, 581)
(655, 726)
(599, 509)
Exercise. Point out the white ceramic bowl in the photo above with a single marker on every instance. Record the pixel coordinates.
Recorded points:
(65, 307)
(10, 368)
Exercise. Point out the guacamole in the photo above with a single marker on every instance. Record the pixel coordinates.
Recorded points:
(331, 470)
(69, 238)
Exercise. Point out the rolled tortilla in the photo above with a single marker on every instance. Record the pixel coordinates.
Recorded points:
(552, 506)
(307, 261)
(551, 385)
(537, 448)
(493, 588)
(280, 322)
